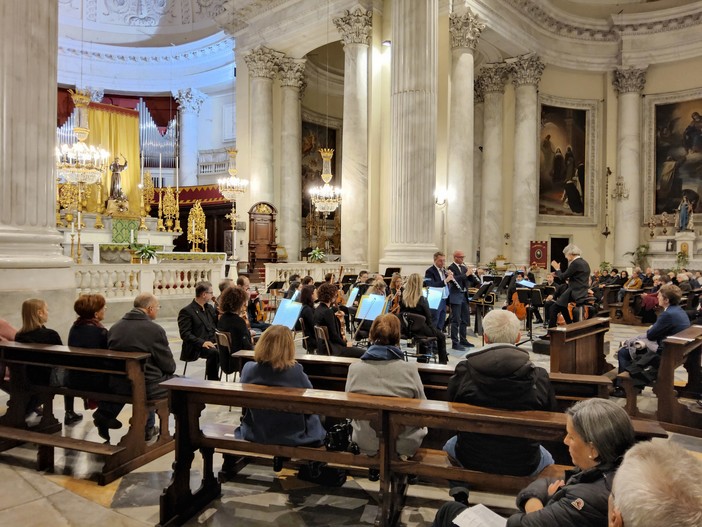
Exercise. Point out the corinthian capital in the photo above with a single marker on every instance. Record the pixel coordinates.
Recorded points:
(493, 78)
(478, 90)
(629, 80)
(263, 62)
(465, 29)
(292, 72)
(355, 26)
(189, 99)
(527, 70)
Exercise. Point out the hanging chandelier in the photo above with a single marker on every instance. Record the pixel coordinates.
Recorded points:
(79, 162)
(233, 185)
(326, 199)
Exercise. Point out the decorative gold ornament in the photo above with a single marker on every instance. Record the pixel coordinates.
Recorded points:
(196, 227)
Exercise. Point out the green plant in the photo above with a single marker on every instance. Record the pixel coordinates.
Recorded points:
(143, 251)
(681, 261)
(492, 265)
(639, 256)
(316, 255)
(605, 267)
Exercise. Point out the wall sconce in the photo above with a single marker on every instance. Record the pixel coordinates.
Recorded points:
(440, 197)
(387, 43)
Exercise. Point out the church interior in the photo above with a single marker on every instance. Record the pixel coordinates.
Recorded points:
(150, 144)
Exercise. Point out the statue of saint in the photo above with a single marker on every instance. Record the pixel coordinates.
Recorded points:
(116, 192)
(684, 215)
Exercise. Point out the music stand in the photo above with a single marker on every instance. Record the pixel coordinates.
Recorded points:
(390, 270)
(532, 299)
(275, 286)
(348, 279)
(479, 300)
(504, 283)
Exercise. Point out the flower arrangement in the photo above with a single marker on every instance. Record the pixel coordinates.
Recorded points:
(316, 255)
(143, 252)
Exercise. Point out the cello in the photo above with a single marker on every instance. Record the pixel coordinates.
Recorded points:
(517, 307)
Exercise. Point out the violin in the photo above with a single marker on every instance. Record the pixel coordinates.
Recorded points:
(342, 331)
(395, 303)
(517, 307)
(340, 291)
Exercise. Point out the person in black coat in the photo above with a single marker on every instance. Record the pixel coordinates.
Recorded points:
(308, 297)
(197, 323)
(35, 313)
(325, 317)
(231, 303)
(578, 277)
(413, 301)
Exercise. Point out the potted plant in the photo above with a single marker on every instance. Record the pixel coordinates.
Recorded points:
(316, 255)
(639, 256)
(681, 261)
(143, 251)
(605, 267)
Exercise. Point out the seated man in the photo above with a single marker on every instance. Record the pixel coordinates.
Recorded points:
(500, 375)
(197, 323)
(137, 331)
(658, 483)
(642, 362)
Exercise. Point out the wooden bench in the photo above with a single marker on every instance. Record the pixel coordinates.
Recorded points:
(579, 347)
(131, 452)
(682, 349)
(388, 415)
(330, 373)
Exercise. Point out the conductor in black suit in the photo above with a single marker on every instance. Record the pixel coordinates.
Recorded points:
(578, 278)
(197, 323)
(437, 276)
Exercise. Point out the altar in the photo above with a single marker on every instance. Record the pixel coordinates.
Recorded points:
(663, 250)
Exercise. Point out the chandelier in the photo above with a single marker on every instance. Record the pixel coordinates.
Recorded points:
(80, 163)
(230, 186)
(326, 198)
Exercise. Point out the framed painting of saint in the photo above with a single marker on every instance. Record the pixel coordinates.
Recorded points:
(567, 160)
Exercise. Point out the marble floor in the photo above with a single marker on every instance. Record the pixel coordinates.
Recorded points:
(256, 497)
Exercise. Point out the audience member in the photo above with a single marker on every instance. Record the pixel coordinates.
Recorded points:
(231, 304)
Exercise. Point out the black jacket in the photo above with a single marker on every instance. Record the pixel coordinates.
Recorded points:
(42, 335)
(500, 376)
(578, 276)
(581, 502)
(196, 325)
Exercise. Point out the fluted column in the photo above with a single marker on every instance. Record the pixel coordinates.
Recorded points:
(413, 142)
(526, 74)
(478, 117)
(189, 103)
(355, 28)
(263, 66)
(31, 260)
(290, 211)
(465, 30)
(492, 79)
(629, 83)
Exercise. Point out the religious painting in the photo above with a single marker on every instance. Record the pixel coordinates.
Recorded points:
(678, 155)
(314, 137)
(567, 160)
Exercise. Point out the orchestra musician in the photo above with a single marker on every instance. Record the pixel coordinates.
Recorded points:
(324, 316)
(438, 276)
(458, 298)
(395, 293)
(413, 301)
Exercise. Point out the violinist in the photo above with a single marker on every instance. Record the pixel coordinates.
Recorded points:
(324, 316)
(254, 307)
(395, 293)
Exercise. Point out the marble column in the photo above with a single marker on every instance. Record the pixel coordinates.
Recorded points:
(263, 67)
(292, 73)
(355, 29)
(413, 142)
(629, 83)
(492, 80)
(526, 73)
(478, 117)
(189, 103)
(31, 259)
(465, 30)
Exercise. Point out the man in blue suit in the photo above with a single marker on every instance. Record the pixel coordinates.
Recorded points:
(437, 276)
(458, 298)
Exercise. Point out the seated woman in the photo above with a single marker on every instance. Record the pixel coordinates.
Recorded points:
(231, 304)
(308, 297)
(35, 313)
(383, 371)
(325, 317)
(413, 301)
(598, 433)
(632, 283)
(642, 362)
(88, 332)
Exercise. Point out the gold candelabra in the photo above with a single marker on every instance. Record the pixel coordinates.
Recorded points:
(197, 233)
(146, 198)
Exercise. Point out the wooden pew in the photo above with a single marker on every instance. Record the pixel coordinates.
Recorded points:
(330, 373)
(624, 312)
(682, 349)
(131, 452)
(579, 347)
(388, 415)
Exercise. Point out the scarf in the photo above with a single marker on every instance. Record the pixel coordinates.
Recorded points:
(383, 352)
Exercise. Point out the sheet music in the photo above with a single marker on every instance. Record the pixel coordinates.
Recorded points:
(433, 296)
(287, 314)
(479, 516)
(352, 296)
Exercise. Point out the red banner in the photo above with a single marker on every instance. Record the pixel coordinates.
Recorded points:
(538, 253)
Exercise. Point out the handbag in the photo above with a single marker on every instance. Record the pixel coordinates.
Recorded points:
(338, 438)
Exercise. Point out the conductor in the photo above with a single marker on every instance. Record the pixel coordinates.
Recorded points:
(578, 277)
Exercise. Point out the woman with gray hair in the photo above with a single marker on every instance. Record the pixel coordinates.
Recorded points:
(599, 432)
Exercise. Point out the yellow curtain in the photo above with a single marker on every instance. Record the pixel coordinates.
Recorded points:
(117, 131)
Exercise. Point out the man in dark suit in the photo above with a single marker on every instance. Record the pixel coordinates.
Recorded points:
(197, 323)
(458, 298)
(578, 277)
(438, 276)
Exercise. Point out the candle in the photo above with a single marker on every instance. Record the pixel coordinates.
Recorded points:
(205, 238)
(193, 228)
(131, 236)
(142, 171)
(177, 174)
(160, 173)
(79, 220)
(73, 227)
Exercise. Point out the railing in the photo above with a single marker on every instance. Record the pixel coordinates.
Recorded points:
(212, 163)
(282, 271)
(165, 279)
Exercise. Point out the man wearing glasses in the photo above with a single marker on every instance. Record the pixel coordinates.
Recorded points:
(197, 323)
